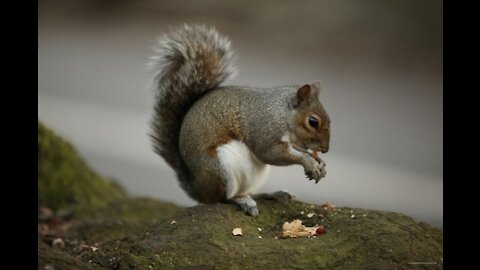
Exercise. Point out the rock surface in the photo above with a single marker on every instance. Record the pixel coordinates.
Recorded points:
(122, 232)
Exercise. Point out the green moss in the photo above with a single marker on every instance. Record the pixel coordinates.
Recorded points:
(64, 179)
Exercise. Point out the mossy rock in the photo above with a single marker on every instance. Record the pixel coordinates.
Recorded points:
(64, 179)
(119, 219)
(102, 211)
(201, 238)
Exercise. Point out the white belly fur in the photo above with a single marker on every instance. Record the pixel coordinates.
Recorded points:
(245, 173)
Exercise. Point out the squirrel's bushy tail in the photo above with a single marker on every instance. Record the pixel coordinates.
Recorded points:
(189, 62)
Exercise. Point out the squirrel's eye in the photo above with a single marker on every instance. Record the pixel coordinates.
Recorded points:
(312, 121)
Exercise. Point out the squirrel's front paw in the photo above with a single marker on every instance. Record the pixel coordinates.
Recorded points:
(315, 170)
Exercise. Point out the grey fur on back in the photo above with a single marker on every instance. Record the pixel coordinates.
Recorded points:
(188, 62)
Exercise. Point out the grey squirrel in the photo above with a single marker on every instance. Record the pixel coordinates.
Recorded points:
(220, 140)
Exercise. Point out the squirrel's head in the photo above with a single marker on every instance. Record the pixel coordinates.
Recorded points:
(310, 129)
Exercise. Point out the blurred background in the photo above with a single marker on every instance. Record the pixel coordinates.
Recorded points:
(380, 64)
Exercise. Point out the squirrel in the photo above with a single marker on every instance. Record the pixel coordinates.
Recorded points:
(221, 140)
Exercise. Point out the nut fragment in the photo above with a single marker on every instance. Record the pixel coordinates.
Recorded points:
(294, 226)
(237, 231)
(297, 229)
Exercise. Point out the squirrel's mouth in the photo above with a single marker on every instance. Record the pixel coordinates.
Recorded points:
(301, 148)
(304, 148)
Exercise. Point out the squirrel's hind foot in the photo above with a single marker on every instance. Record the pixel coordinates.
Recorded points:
(279, 195)
(247, 204)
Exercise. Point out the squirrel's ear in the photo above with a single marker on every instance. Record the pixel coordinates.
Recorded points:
(302, 95)
(317, 87)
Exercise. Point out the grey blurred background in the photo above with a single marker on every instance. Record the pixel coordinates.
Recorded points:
(380, 63)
